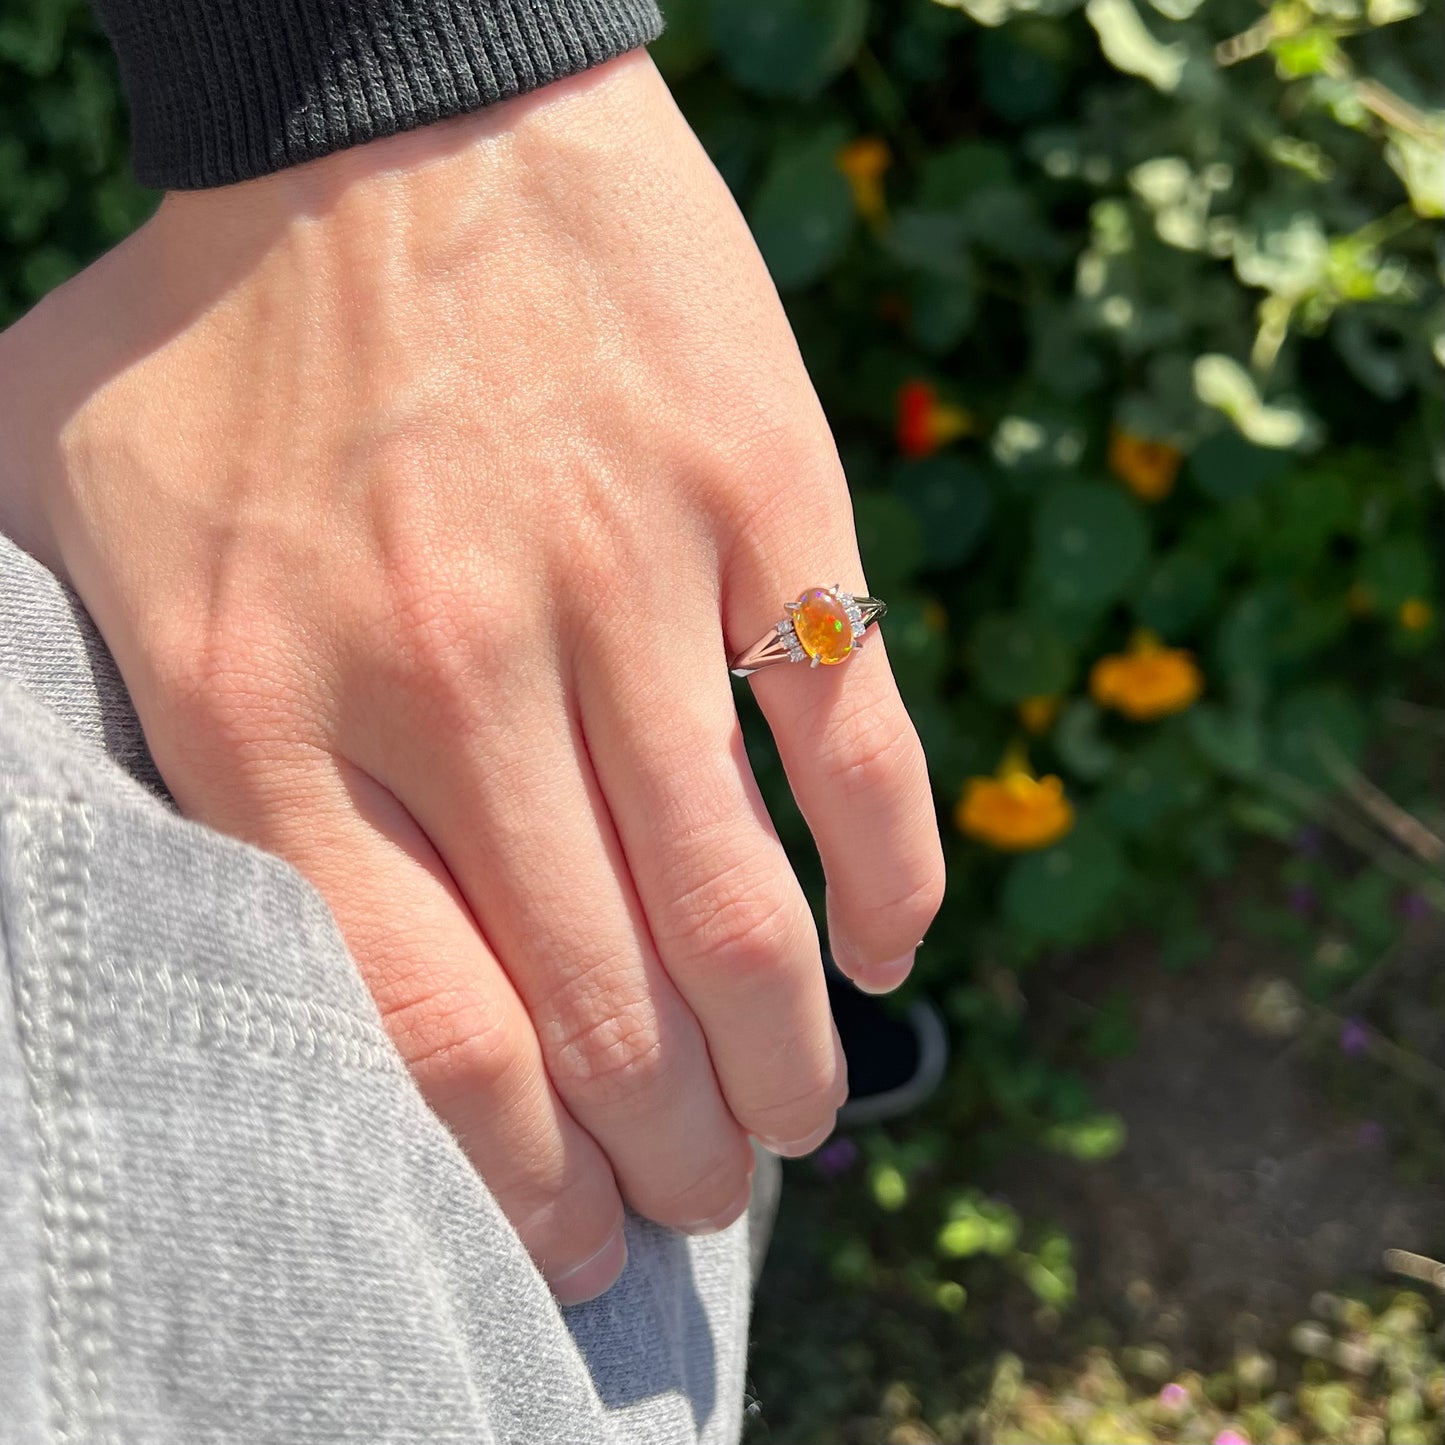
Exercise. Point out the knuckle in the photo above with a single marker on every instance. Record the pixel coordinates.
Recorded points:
(611, 1058)
(456, 1045)
(874, 751)
(811, 1102)
(441, 640)
(742, 924)
(889, 928)
(704, 1197)
(226, 685)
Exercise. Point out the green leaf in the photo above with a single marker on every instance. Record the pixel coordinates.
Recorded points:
(1062, 894)
(1395, 570)
(1179, 590)
(1153, 786)
(941, 308)
(1307, 509)
(952, 500)
(933, 242)
(953, 177)
(890, 539)
(1018, 82)
(890, 1188)
(1089, 542)
(685, 42)
(1232, 740)
(917, 648)
(1077, 738)
(1226, 466)
(1315, 729)
(787, 47)
(977, 1225)
(1130, 47)
(961, 739)
(802, 215)
(1099, 1136)
(1221, 382)
(1019, 656)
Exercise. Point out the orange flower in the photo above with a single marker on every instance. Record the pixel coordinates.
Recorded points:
(863, 162)
(1014, 811)
(925, 423)
(1037, 714)
(1415, 614)
(1146, 467)
(1147, 682)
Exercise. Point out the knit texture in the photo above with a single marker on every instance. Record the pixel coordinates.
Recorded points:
(226, 1214)
(222, 90)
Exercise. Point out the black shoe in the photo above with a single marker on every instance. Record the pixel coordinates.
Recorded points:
(895, 1060)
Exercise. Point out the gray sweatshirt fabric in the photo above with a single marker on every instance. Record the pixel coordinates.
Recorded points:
(226, 1214)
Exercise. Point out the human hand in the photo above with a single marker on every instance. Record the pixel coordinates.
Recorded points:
(422, 493)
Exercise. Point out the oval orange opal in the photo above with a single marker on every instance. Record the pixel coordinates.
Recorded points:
(823, 628)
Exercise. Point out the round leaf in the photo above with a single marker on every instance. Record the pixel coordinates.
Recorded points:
(1077, 740)
(787, 47)
(1159, 781)
(1226, 466)
(1089, 541)
(1018, 657)
(952, 501)
(802, 214)
(1178, 591)
(1061, 894)
(889, 538)
(1315, 730)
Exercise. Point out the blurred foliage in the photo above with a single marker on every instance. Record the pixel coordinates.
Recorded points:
(66, 192)
(1353, 1376)
(1128, 318)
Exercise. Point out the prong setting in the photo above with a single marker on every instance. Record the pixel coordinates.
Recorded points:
(835, 624)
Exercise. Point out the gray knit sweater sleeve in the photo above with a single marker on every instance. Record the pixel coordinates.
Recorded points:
(221, 90)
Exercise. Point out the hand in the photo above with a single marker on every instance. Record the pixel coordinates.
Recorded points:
(422, 493)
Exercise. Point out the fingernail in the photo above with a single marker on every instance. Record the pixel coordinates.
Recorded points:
(798, 1147)
(723, 1217)
(595, 1275)
(885, 977)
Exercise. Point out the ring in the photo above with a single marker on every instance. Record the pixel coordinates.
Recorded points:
(825, 626)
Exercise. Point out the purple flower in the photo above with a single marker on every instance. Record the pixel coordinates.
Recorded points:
(1303, 900)
(1309, 842)
(1370, 1134)
(836, 1157)
(1415, 906)
(1174, 1396)
(1354, 1038)
(1230, 1437)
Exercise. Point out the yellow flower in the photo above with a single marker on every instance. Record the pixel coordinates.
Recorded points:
(1415, 614)
(1147, 468)
(863, 162)
(1037, 714)
(1014, 811)
(1147, 682)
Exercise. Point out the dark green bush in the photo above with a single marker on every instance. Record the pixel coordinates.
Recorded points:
(1128, 320)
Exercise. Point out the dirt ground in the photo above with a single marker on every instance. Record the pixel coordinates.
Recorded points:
(1262, 1165)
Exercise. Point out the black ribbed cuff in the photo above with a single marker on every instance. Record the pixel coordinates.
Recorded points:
(221, 90)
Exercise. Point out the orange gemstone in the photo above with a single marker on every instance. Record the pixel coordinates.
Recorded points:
(823, 628)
